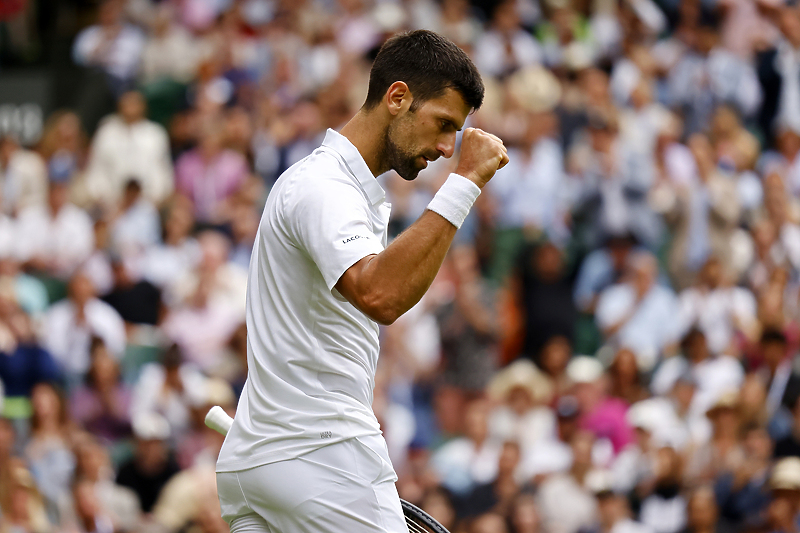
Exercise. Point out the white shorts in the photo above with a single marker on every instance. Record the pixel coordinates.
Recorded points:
(347, 487)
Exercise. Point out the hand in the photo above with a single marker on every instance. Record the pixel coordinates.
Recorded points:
(482, 154)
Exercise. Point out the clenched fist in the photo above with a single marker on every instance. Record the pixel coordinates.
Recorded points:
(482, 154)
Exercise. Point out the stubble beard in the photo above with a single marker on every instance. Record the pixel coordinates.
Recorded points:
(398, 159)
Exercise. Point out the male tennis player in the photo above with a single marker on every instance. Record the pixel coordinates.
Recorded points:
(305, 453)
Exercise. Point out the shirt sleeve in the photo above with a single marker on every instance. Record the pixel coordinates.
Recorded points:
(332, 223)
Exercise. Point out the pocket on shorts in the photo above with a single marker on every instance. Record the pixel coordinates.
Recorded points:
(375, 447)
(232, 502)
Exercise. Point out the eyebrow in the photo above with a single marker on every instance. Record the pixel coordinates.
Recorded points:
(452, 122)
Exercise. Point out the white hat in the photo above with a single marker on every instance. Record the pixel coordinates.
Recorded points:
(786, 474)
(535, 89)
(151, 426)
(521, 374)
(584, 369)
(599, 480)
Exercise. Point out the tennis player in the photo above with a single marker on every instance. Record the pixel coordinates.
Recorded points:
(305, 452)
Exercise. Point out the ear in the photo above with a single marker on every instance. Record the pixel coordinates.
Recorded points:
(398, 97)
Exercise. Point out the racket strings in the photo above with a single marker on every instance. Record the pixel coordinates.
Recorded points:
(413, 527)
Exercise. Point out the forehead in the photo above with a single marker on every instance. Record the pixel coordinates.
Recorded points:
(449, 106)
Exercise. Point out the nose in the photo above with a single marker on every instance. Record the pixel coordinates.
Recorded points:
(447, 145)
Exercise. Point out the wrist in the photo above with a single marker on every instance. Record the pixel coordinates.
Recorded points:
(471, 176)
(455, 198)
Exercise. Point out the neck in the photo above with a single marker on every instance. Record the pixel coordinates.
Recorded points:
(366, 134)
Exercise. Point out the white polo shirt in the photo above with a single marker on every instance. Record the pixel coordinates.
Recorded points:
(311, 355)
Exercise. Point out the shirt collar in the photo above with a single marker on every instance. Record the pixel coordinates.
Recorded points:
(356, 165)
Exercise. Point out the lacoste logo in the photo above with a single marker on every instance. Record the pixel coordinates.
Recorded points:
(354, 237)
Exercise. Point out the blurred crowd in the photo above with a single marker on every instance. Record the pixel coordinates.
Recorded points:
(611, 345)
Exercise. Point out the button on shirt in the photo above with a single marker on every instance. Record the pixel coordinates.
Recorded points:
(311, 354)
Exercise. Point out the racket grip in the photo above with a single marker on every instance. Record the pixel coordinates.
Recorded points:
(218, 420)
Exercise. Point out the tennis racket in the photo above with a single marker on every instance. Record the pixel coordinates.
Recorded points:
(417, 520)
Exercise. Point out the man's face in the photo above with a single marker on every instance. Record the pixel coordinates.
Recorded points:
(416, 137)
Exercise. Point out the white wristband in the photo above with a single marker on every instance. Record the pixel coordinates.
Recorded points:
(454, 199)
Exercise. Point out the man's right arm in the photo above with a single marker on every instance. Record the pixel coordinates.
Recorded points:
(386, 285)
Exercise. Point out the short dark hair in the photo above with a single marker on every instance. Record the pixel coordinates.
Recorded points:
(429, 64)
(772, 335)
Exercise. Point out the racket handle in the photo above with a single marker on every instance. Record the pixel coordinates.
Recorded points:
(218, 420)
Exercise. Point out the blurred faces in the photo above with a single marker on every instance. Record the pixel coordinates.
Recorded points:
(132, 107)
(476, 421)
(548, 262)
(81, 289)
(643, 272)
(489, 523)
(415, 137)
(46, 407)
(555, 356)
(524, 514)
(702, 510)
(624, 367)
(439, 506)
(509, 459)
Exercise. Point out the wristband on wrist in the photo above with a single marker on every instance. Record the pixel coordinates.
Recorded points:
(454, 199)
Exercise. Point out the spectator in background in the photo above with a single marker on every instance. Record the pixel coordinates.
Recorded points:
(111, 45)
(703, 514)
(702, 215)
(601, 269)
(23, 177)
(22, 506)
(169, 389)
(524, 516)
(165, 264)
(48, 451)
(468, 461)
(663, 507)
(553, 360)
(57, 237)
(102, 404)
(210, 174)
(211, 307)
(497, 496)
(567, 505)
(71, 324)
(136, 225)
(506, 47)
(545, 292)
(23, 363)
(711, 376)
(626, 380)
(724, 452)
(722, 311)
(613, 510)
(152, 464)
(744, 493)
(639, 313)
(90, 514)
(600, 414)
(531, 192)
(171, 51)
(244, 227)
(522, 393)
(127, 147)
(614, 179)
(709, 75)
(785, 485)
(137, 302)
(776, 372)
(119, 505)
(789, 445)
(778, 72)
(468, 325)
